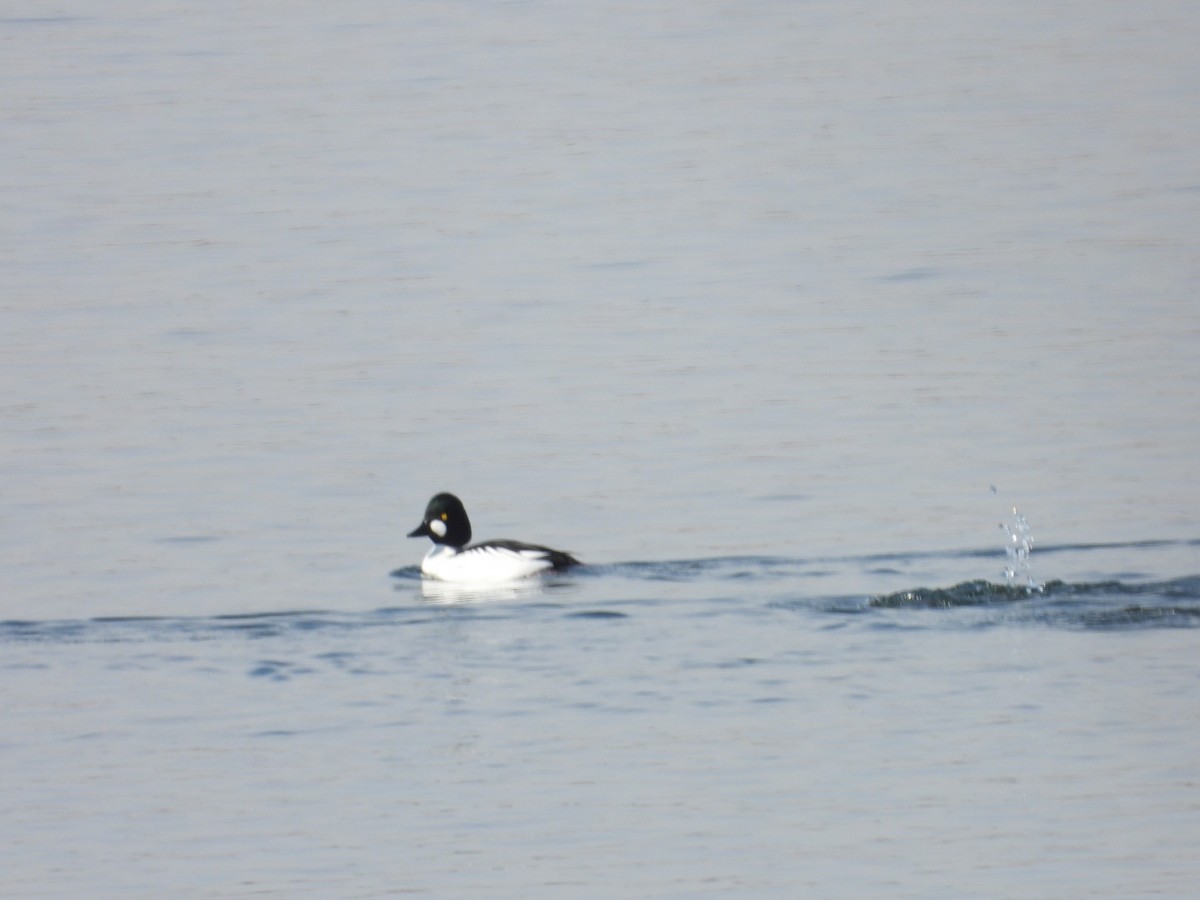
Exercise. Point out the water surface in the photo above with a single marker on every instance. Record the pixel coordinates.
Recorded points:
(772, 314)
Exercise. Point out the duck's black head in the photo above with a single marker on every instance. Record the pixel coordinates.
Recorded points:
(445, 522)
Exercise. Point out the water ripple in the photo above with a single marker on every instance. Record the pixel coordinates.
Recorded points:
(707, 588)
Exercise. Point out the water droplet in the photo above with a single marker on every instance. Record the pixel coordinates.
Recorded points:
(1018, 548)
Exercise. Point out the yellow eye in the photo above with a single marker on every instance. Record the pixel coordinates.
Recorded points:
(444, 517)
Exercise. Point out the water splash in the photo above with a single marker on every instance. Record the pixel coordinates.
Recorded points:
(1018, 545)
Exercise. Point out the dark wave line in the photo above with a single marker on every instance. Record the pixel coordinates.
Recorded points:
(1089, 605)
(703, 565)
(1112, 603)
(978, 593)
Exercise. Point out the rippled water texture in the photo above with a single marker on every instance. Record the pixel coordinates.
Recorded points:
(852, 347)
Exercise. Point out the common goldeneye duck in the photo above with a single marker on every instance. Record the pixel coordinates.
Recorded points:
(450, 559)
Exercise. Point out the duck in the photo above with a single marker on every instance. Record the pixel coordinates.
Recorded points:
(453, 558)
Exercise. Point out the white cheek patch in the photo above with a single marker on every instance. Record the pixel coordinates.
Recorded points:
(438, 527)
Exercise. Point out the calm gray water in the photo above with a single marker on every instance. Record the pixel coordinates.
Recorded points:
(772, 313)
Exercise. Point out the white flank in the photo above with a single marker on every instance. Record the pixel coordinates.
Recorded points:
(482, 565)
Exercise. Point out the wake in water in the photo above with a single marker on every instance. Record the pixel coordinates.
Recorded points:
(1096, 605)
(1104, 604)
(1018, 576)
(1130, 597)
